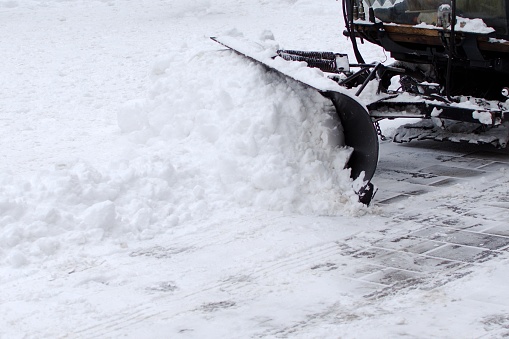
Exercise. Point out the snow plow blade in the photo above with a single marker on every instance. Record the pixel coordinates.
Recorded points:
(359, 133)
(358, 129)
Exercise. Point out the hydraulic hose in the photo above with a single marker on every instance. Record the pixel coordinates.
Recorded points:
(452, 48)
(348, 18)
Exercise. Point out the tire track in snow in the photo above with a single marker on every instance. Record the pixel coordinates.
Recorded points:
(241, 286)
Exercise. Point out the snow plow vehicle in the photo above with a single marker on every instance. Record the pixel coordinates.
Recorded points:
(451, 71)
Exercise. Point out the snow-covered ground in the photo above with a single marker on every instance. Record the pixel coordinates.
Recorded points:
(155, 185)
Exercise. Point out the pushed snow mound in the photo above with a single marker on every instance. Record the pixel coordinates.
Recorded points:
(240, 135)
(215, 134)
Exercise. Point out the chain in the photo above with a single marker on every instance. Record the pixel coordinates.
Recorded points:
(379, 131)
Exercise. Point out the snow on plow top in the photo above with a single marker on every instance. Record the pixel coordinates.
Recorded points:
(266, 50)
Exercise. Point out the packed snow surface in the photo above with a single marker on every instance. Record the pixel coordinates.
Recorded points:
(154, 184)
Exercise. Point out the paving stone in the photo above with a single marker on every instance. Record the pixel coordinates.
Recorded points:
(412, 161)
(402, 260)
(396, 199)
(461, 253)
(359, 270)
(348, 249)
(461, 222)
(430, 220)
(406, 187)
(391, 276)
(400, 175)
(466, 162)
(502, 229)
(493, 156)
(477, 228)
(433, 233)
(445, 148)
(495, 167)
(450, 171)
(458, 272)
(502, 202)
(453, 209)
(370, 253)
(446, 182)
(365, 288)
(401, 188)
(384, 195)
(417, 263)
(461, 237)
(423, 179)
(408, 244)
(488, 241)
(489, 213)
(418, 190)
(395, 167)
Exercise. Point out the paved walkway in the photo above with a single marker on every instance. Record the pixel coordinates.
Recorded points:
(439, 237)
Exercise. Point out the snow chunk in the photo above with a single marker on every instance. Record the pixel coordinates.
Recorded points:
(473, 25)
(101, 215)
(483, 117)
(436, 112)
(17, 259)
(130, 118)
(48, 245)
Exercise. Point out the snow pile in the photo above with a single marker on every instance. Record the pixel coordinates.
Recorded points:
(240, 134)
(216, 133)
